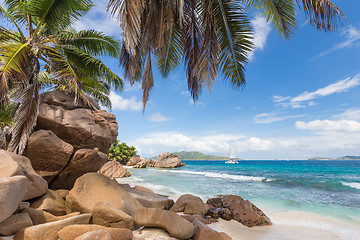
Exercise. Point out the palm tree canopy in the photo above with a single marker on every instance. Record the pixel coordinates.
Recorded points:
(208, 36)
(41, 50)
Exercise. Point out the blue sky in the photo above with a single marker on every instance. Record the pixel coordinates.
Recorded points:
(301, 99)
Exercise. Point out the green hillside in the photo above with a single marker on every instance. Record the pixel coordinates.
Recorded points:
(349, 158)
(198, 156)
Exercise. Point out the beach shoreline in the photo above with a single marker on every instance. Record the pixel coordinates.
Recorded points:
(296, 225)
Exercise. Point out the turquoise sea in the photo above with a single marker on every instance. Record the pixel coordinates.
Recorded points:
(317, 194)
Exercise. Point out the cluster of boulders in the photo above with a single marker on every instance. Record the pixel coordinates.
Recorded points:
(69, 140)
(164, 160)
(98, 207)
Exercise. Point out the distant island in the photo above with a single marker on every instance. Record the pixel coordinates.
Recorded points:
(344, 158)
(198, 156)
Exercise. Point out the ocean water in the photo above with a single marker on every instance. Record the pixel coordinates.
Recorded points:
(316, 194)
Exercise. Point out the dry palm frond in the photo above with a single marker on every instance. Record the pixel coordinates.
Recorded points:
(147, 81)
(3, 88)
(192, 39)
(207, 65)
(322, 13)
(131, 64)
(129, 12)
(25, 118)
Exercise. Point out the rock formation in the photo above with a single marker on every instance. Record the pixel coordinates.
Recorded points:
(168, 160)
(69, 140)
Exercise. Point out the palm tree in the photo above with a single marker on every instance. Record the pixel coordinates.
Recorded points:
(41, 50)
(207, 35)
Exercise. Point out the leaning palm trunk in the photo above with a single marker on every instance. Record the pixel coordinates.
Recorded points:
(208, 36)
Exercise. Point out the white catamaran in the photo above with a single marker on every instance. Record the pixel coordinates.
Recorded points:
(232, 159)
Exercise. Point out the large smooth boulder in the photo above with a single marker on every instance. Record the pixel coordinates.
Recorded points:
(195, 207)
(83, 161)
(95, 235)
(39, 216)
(92, 188)
(203, 232)
(174, 224)
(66, 100)
(168, 160)
(72, 232)
(51, 202)
(17, 165)
(182, 201)
(82, 128)
(245, 212)
(49, 231)
(12, 192)
(14, 223)
(48, 153)
(133, 160)
(149, 199)
(113, 169)
(106, 215)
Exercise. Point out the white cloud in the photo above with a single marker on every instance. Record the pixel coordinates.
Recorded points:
(199, 103)
(261, 31)
(120, 103)
(304, 99)
(158, 117)
(352, 38)
(97, 18)
(329, 125)
(350, 114)
(265, 118)
(237, 108)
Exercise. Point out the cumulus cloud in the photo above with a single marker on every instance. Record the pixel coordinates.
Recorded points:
(329, 125)
(120, 103)
(304, 99)
(352, 38)
(266, 118)
(158, 117)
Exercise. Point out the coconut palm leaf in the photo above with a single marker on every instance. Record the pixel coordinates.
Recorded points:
(322, 13)
(129, 13)
(92, 42)
(281, 13)
(147, 81)
(235, 38)
(25, 118)
(171, 58)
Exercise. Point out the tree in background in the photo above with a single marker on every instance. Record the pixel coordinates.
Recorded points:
(40, 49)
(121, 152)
(208, 36)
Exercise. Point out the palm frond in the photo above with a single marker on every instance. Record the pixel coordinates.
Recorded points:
(132, 65)
(235, 38)
(129, 13)
(171, 58)
(191, 40)
(281, 13)
(5, 14)
(92, 42)
(147, 81)
(92, 66)
(322, 13)
(25, 118)
(207, 65)
(57, 14)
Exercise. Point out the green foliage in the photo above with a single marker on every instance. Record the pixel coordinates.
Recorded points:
(121, 151)
(42, 51)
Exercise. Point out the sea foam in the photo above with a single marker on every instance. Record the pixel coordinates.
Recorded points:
(220, 175)
(355, 185)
